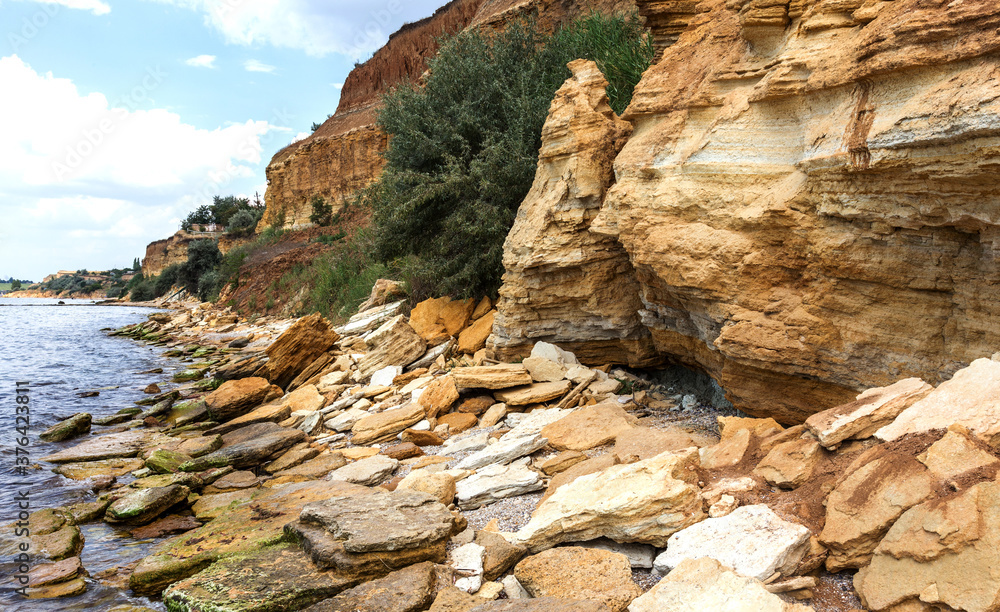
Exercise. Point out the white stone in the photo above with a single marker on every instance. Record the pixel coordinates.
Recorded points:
(534, 422)
(311, 423)
(385, 376)
(368, 472)
(554, 353)
(689, 402)
(544, 370)
(467, 560)
(578, 374)
(346, 420)
(698, 585)
(332, 380)
(503, 452)
(424, 425)
(473, 442)
(513, 588)
(497, 482)
(370, 319)
(753, 541)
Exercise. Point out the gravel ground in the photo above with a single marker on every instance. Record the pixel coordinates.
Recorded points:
(511, 514)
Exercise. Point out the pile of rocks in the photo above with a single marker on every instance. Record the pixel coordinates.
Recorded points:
(344, 468)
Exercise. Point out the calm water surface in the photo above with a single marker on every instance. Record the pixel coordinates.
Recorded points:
(62, 351)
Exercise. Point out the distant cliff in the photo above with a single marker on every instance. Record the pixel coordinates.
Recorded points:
(345, 153)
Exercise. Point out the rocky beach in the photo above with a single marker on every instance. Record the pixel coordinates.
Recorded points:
(394, 464)
(741, 354)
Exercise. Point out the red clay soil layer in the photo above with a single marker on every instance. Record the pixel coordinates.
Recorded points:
(263, 268)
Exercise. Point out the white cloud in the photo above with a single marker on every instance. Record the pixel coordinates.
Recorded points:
(337, 86)
(202, 61)
(256, 66)
(80, 175)
(351, 27)
(94, 6)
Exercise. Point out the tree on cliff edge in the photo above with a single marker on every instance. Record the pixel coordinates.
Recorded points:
(464, 147)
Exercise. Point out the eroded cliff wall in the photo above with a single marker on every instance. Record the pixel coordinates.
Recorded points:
(808, 199)
(345, 153)
(167, 252)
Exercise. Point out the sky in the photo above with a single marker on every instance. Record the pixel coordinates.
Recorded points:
(119, 117)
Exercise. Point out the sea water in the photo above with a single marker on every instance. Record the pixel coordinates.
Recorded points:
(60, 351)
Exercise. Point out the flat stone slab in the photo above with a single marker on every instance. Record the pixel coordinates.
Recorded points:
(533, 394)
(501, 376)
(368, 472)
(645, 502)
(54, 573)
(872, 410)
(104, 467)
(110, 446)
(276, 578)
(382, 521)
(752, 540)
(971, 398)
(406, 590)
(497, 482)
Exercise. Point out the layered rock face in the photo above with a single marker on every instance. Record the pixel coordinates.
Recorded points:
(564, 281)
(807, 200)
(345, 153)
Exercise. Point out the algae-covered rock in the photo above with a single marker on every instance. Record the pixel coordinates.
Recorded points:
(76, 425)
(188, 375)
(275, 578)
(239, 529)
(253, 452)
(163, 461)
(145, 505)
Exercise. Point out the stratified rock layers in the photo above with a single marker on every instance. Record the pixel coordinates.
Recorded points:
(808, 201)
(565, 282)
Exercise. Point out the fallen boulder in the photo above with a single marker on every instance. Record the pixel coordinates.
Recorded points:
(646, 502)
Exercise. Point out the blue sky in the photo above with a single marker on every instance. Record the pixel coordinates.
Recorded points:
(118, 117)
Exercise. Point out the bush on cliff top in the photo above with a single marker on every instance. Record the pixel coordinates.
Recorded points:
(464, 147)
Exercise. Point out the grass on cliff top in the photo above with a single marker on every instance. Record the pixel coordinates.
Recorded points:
(464, 146)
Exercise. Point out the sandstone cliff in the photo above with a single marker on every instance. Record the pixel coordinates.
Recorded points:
(164, 253)
(345, 153)
(808, 200)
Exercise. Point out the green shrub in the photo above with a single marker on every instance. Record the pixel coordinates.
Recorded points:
(322, 213)
(464, 147)
(163, 283)
(203, 257)
(143, 291)
(209, 286)
(244, 222)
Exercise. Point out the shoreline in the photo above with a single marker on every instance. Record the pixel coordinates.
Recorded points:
(234, 466)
